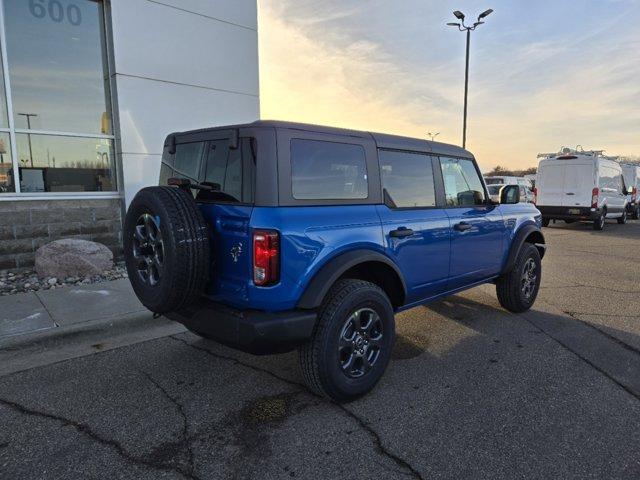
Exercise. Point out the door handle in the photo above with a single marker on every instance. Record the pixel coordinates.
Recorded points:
(462, 226)
(401, 232)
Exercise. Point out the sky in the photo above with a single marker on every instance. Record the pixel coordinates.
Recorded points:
(543, 74)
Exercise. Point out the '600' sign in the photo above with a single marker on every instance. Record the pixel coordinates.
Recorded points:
(56, 11)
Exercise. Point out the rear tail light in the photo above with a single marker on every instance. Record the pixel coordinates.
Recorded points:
(535, 195)
(594, 197)
(266, 257)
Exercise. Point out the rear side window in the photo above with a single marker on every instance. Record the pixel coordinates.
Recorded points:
(327, 170)
(407, 179)
(462, 184)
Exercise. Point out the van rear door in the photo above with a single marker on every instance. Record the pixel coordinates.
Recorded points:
(550, 184)
(578, 183)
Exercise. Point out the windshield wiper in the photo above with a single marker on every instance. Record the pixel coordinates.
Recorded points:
(188, 184)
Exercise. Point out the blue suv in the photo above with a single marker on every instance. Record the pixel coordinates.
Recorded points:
(273, 236)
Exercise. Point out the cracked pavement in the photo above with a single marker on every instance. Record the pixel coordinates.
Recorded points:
(472, 392)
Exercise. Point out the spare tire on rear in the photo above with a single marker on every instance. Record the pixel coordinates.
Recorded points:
(166, 248)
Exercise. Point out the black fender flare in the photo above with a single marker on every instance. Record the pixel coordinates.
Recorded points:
(322, 281)
(521, 236)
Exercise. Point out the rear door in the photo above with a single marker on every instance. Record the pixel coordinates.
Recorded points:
(207, 157)
(415, 229)
(550, 184)
(228, 211)
(578, 184)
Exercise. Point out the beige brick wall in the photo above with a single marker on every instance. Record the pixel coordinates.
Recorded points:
(27, 225)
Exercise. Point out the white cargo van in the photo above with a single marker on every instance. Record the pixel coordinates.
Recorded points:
(631, 173)
(578, 185)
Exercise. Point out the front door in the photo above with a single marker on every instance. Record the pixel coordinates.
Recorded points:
(477, 228)
(416, 231)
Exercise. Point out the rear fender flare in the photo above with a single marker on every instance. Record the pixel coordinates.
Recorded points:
(317, 289)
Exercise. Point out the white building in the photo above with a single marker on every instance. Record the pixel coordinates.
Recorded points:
(88, 92)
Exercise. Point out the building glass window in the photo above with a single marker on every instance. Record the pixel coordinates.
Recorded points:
(6, 165)
(57, 83)
(51, 163)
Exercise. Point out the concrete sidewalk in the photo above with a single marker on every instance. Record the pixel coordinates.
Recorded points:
(63, 307)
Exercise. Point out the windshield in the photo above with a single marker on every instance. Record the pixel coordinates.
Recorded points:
(494, 181)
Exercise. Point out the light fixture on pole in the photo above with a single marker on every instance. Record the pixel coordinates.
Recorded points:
(464, 28)
(432, 136)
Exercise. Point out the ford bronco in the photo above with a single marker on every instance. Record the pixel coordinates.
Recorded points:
(274, 236)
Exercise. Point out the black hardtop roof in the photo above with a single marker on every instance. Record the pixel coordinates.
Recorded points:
(382, 140)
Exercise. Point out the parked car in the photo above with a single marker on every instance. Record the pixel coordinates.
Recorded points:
(526, 194)
(273, 236)
(494, 192)
(578, 185)
(631, 173)
(531, 178)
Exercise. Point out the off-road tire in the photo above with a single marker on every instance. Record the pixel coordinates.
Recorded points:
(599, 223)
(509, 286)
(185, 237)
(319, 357)
(636, 213)
(622, 219)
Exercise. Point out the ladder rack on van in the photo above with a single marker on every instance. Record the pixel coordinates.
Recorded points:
(569, 151)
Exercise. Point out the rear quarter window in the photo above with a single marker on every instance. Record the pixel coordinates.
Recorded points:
(323, 170)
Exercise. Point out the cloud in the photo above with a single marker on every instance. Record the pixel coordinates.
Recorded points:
(534, 86)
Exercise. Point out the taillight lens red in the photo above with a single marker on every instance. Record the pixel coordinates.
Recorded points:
(594, 197)
(634, 194)
(266, 257)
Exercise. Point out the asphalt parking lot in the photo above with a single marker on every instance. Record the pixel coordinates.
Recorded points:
(472, 392)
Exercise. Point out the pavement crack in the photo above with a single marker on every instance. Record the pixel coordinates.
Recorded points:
(364, 426)
(614, 339)
(88, 432)
(624, 387)
(380, 448)
(185, 440)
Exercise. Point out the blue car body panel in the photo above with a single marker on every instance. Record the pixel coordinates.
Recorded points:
(436, 260)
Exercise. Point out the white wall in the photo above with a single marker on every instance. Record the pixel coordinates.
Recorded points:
(179, 65)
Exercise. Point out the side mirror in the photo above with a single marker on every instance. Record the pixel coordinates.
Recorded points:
(510, 194)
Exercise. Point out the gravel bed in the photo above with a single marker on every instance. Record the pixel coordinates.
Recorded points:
(28, 281)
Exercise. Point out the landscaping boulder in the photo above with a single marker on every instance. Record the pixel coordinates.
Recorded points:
(71, 257)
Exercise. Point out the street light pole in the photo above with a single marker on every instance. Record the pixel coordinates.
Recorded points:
(29, 115)
(466, 92)
(462, 27)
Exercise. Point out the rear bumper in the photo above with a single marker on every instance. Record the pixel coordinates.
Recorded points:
(569, 213)
(252, 331)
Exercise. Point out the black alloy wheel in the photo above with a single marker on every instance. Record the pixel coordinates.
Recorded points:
(360, 342)
(148, 249)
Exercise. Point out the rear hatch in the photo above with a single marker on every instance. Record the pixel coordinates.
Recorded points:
(227, 209)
